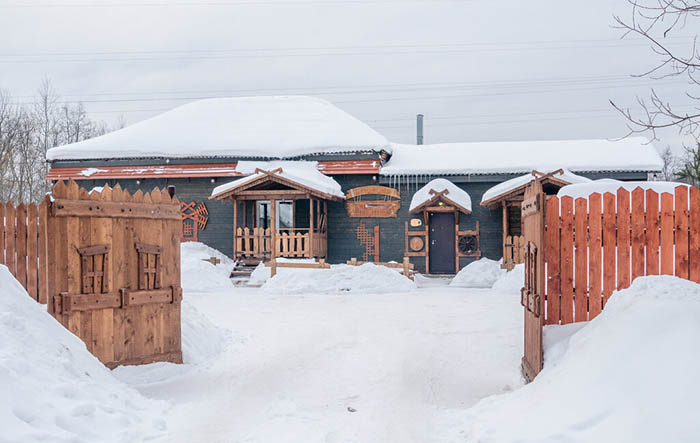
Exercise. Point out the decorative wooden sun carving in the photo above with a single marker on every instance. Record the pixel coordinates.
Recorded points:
(194, 218)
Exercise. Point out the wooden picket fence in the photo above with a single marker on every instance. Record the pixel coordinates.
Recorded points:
(23, 242)
(599, 244)
(514, 251)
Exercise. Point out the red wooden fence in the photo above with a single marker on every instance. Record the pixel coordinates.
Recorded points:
(598, 244)
(23, 246)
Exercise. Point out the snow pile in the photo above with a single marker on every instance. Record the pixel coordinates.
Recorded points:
(517, 182)
(511, 281)
(262, 273)
(454, 193)
(202, 341)
(481, 273)
(53, 389)
(629, 154)
(367, 278)
(303, 172)
(604, 185)
(257, 127)
(629, 375)
(198, 275)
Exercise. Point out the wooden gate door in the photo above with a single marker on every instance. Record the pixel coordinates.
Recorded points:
(442, 243)
(532, 294)
(114, 266)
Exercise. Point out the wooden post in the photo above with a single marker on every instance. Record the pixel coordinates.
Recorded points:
(456, 241)
(505, 229)
(273, 267)
(406, 267)
(235, 226)
(273, 229)
(311, 227)
(376, 243)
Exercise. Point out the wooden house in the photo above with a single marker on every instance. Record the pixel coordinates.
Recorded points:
(265, 177)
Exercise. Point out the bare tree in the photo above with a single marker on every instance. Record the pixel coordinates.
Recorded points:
(654, 21)
(668, 172)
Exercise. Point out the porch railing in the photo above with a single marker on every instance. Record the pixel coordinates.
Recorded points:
(292, 243)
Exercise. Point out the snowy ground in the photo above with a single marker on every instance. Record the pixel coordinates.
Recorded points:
(432, 362)
(345, 368)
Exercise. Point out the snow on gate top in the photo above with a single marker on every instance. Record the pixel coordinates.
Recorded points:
(255, 127)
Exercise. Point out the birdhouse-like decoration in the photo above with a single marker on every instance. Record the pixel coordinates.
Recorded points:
(194, 217)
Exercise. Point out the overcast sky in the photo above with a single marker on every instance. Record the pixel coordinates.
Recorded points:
(479, 70)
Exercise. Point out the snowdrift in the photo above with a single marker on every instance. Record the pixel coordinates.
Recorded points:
(202, 276)
(482, 273)
(629, 375)
(511, 281)
(53, 389)
(367, 278)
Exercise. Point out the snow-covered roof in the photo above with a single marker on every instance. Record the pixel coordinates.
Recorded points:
(630, 154)
(255, 127)
(608, 185)
(453, 193)
(514, 183)
(304, 173)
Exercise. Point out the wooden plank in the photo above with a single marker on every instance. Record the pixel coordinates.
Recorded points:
(694, 236)
(10, 221)
(553, 260)
(21, 245)
(72, 259)
(43, 251)
(666, 226)
(136, 209)
(567, 260)
(90, 302)
(652, 233)
(2, 233)
(609, 244)
(637, 230)
(103, 320)
(681, 220)
(581, 257)
(32, 251)
(136, 298)
(376, 244)
(595, 255)
(372, 190)
(623, 238)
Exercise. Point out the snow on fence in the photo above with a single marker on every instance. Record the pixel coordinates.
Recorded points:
(23, 246)
(599, 244)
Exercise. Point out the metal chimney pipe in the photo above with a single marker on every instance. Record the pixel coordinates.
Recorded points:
(419, 129)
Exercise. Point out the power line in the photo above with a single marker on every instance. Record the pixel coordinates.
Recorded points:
(151, 4)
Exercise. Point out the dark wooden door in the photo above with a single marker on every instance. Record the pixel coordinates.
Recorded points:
(442, 243)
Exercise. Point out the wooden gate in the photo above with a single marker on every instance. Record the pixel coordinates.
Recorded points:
(114, 272)
(532, 294)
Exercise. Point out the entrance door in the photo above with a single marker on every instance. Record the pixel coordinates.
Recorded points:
(442, 243)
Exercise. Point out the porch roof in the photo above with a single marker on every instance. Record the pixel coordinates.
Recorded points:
(303, 178)
(512, 190)
(441, 190)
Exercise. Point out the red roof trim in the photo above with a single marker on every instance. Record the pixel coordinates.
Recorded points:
(200, 170)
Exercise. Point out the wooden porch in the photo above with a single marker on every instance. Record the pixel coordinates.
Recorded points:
(268, 221)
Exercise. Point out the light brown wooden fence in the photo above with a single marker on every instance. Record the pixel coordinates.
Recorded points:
(23, 246)
(589, 247)
(598, 244)
(114, 272)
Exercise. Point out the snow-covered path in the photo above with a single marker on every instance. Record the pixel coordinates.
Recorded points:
(327, 368)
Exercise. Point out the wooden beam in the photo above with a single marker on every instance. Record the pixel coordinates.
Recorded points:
(235, 226)
(89, 208)
(505, 229)
(273, 229)
(311, 228)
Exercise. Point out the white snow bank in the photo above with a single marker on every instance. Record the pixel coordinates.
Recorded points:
(202, 341)
(511, 281)
(367, 278)
(629, 375)
(53, 389)
(482, 273)
(629, 154)
(198, 275)
(305, 173)
(262, 273)
(454, 193)
(260, 127)
(604, 185)
(514, 183)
